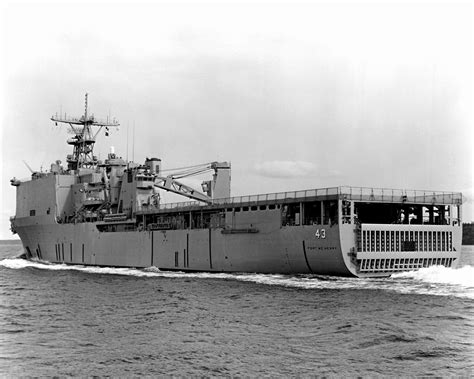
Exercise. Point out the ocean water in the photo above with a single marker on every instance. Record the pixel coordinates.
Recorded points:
(58, 320)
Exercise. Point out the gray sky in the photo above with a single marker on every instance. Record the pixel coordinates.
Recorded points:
(295, 96)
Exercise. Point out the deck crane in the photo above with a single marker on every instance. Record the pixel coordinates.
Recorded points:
(218, 187)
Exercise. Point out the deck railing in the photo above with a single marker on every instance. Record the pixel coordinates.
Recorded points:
(349, 193)
(262, 198)
(400, 196)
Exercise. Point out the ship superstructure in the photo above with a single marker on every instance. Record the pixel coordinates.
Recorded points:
(110, 214)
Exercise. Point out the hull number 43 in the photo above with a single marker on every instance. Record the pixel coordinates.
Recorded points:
(320, 233)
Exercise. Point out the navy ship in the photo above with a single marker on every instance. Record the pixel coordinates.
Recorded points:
(109, 213)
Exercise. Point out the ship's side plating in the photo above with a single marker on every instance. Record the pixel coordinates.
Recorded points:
(338, 231)
(271, 237)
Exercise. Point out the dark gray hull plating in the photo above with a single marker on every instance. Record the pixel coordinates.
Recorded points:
(287, 250)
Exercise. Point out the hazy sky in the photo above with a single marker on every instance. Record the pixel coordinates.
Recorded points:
(296, 96)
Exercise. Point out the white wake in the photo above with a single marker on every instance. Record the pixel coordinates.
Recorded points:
(463, 276)
(436, 280)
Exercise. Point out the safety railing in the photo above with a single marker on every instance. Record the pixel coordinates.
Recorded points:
(349, 193)
(400, 195)
(262, 198)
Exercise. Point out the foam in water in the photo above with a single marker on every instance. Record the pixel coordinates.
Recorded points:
(463, 276)
(436, 280)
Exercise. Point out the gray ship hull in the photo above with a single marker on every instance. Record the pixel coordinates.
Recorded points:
(286, 250)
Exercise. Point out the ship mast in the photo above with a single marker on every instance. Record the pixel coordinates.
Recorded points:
(84, 137)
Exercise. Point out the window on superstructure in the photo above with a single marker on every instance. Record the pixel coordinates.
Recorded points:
(436, 214)
(404, 213)
(218, 220)
(32, 212)
(330, 212)
(312, 213)
(290, 214)
(205, 219)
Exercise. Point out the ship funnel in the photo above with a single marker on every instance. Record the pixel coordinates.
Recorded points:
(154, 165)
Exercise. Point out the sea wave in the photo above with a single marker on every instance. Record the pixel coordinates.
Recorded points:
(435, 280)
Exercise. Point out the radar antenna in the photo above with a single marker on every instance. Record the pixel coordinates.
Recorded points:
(84, 137)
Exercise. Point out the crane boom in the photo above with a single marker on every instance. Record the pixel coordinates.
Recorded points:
(218, 187)
(172, 185)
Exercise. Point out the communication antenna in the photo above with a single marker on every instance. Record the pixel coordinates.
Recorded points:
(28, 166)
(84, 137)
(128, 127)
(133, 142)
